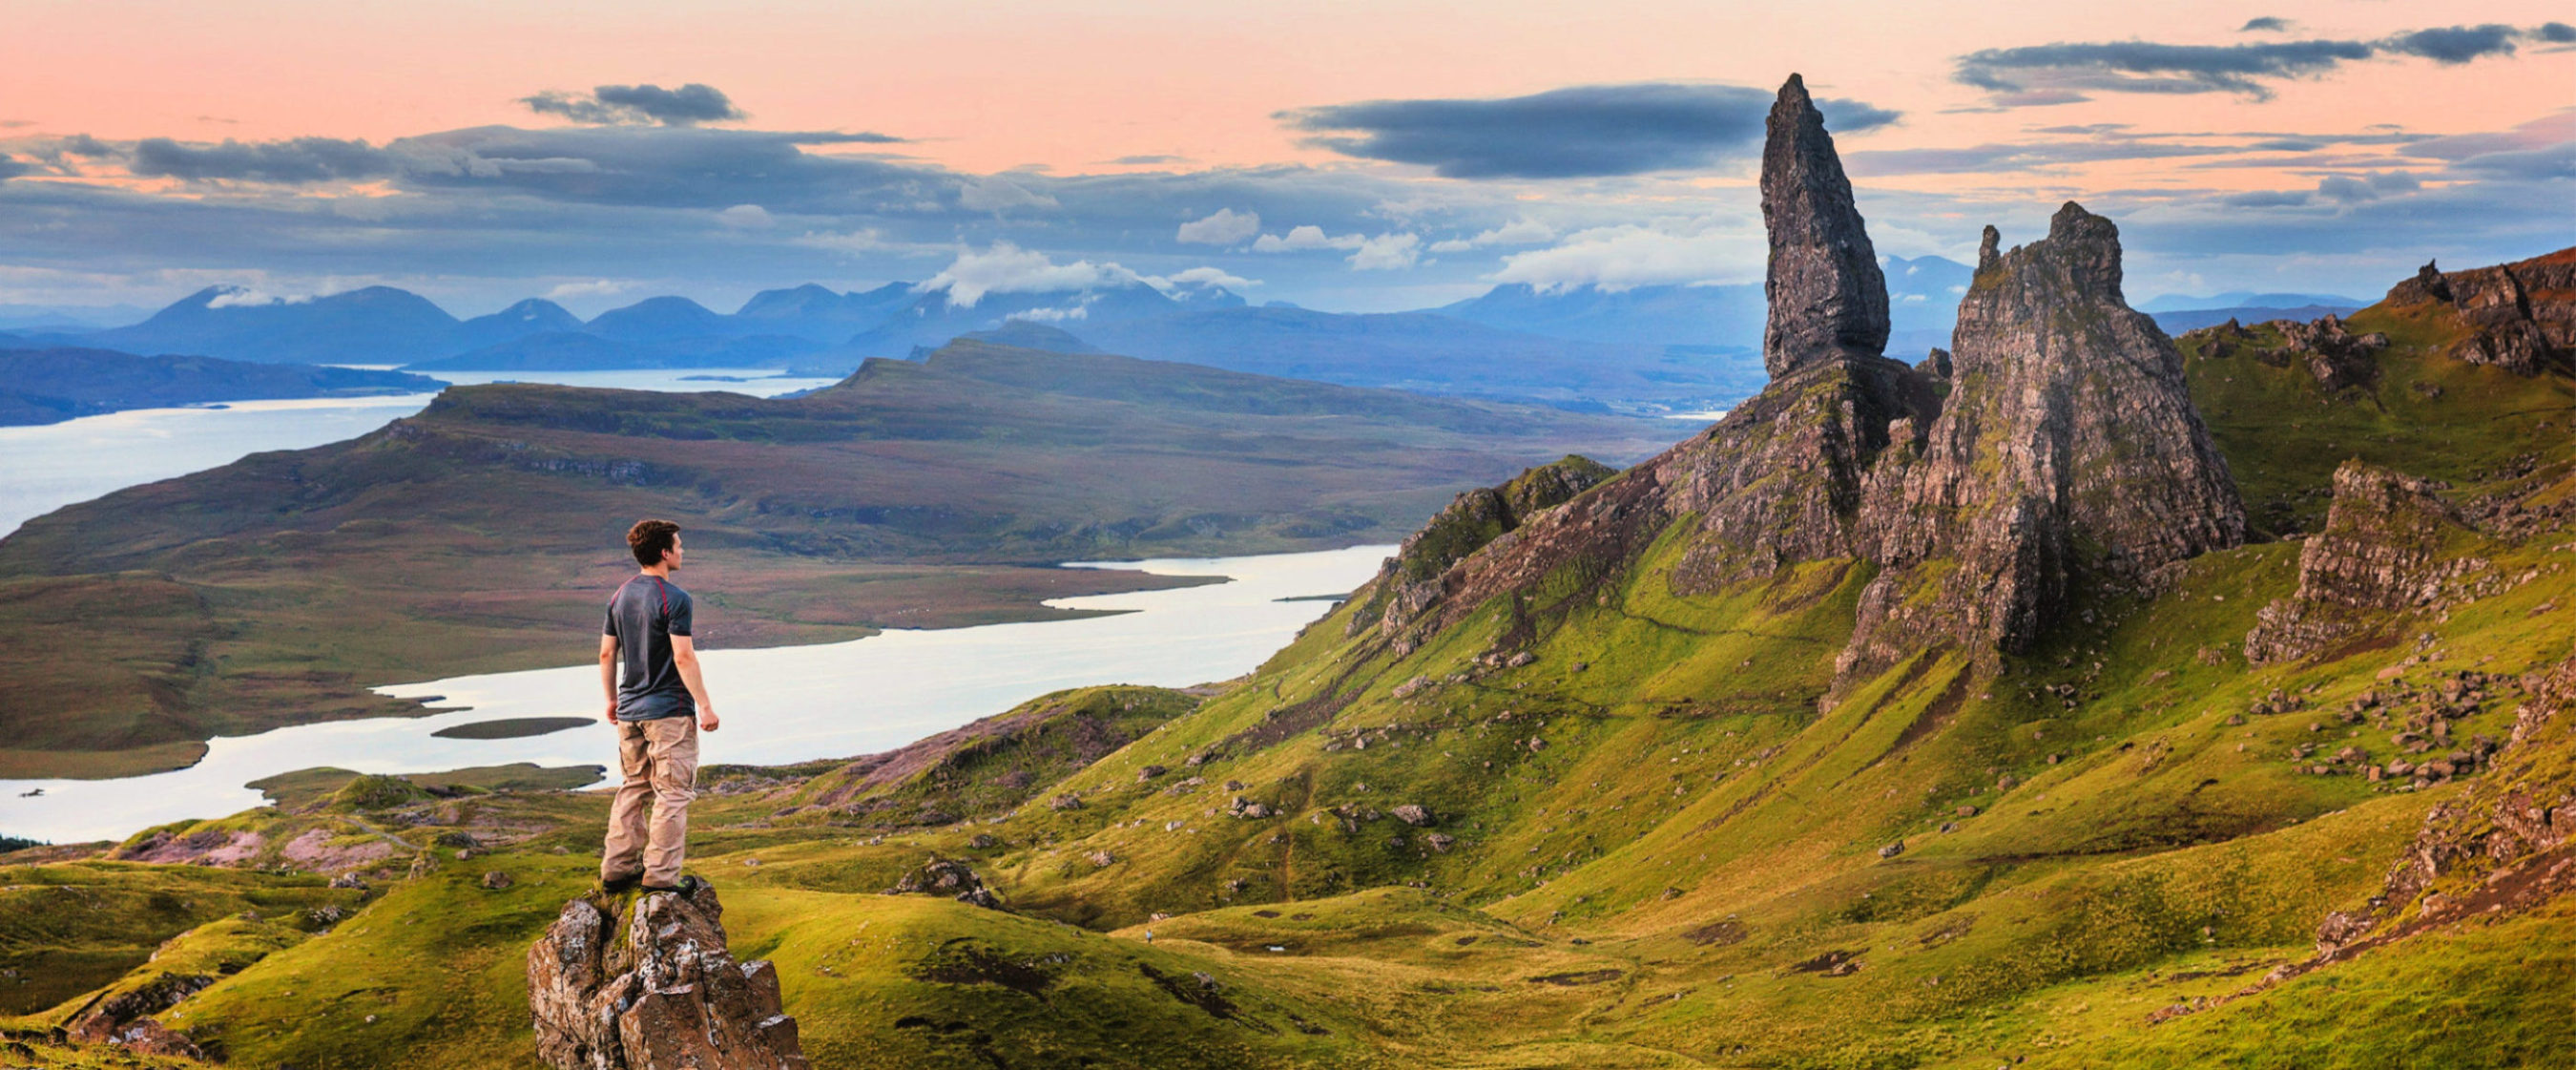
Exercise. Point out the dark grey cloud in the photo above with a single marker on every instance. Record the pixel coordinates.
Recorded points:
(1150, 158)
(671, 167)
(11, 167)
(2025, 156)
(2353, 189)
(2455, 44)
(2065, 72)
(303, 159)
(85, 145)
(605, 105)
(2555, 33)
(2267, 23)
(1576, 132)
(2548, 163)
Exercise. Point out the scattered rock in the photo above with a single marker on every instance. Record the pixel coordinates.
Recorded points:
(107, 1019)
(940, 876)
(496, 880)
(1413, 815)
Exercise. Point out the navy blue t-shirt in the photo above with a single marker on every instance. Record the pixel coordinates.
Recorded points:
(643, 616)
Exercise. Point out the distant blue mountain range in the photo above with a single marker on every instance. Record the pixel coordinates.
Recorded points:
(1582, 346)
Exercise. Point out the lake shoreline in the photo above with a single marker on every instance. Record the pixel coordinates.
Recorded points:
(784, 704)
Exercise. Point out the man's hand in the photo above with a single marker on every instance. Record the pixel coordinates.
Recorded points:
(610, 715)
(707, 721)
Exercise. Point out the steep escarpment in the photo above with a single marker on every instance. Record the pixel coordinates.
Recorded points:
(2390, 544)
(2521, 316)
(1414, 580)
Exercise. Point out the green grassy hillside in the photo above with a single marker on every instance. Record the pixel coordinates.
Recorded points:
(1598, 823)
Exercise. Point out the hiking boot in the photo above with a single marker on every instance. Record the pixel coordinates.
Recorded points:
(621, 885)
(688, 883)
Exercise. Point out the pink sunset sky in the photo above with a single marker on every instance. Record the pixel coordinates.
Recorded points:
(2334, 161)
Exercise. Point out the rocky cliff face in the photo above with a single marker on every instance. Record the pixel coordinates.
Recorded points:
(1416, 578)
(2381, 553)
(659, 990)
(1828, 297)
(2522, 316)
(2067, 449)
(2056, 444)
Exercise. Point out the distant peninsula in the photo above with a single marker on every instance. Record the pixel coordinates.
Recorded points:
(44, 386)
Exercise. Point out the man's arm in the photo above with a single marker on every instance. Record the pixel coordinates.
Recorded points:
(684, 657)
(608, 675)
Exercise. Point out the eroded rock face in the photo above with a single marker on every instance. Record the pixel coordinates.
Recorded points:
(2067, 448)
(2381, 552)
(2522, 315)
(1828, 297)
(1414, 579)
(655, 989)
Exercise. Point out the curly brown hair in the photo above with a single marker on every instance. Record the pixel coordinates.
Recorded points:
(650, 539)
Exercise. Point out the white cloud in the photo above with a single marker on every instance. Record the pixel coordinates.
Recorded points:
(1387, 252)
(590, 288)
(1007, 268)
(246, 297)
(1524, 231)
(1205, 276)
(1303, 238)
(1051, 315)
(1226, 227)
(866, 240)
(998, 195)
(1629, 255)
(746, 217)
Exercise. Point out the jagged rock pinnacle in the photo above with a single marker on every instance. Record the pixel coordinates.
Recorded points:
(2067, 447)
(1828, 298)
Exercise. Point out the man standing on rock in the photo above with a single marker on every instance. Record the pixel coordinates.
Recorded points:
(659, 704)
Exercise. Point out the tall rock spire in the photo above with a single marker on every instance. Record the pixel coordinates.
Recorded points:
(1828, 297)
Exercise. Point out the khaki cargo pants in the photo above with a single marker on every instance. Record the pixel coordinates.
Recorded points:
(659, 759)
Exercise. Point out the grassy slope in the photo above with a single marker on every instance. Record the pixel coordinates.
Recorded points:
(1691, 871)
(478, 536)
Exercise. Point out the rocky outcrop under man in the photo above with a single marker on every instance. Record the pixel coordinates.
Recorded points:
(656, 989)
